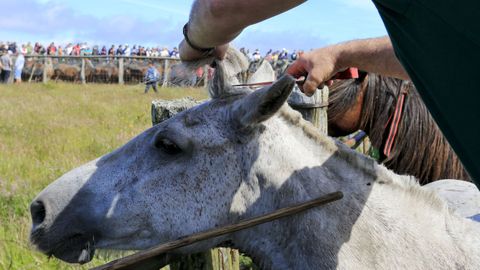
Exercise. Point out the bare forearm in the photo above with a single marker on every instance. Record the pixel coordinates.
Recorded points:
(217, 22)
(372, 55)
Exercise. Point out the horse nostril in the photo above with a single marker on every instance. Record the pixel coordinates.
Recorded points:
(37, 209)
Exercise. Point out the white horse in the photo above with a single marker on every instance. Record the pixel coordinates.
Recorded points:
(240, 155)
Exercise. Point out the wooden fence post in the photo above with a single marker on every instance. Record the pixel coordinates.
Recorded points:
(34, 66)
(166, 73)
(46, 63)
(121, 70)
(82, 72)
(314, 108)
(322, 121)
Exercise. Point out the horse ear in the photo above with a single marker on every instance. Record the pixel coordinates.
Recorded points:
(262, 104)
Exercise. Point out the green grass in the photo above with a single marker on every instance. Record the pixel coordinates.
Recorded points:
(48, 129)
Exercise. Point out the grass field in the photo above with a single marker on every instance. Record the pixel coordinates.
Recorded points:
(48, 129)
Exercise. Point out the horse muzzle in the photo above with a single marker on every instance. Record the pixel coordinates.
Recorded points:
(60, 235)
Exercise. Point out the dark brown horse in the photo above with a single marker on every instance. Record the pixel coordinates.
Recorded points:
(419, 147)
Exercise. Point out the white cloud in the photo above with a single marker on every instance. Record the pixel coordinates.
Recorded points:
(56, 20)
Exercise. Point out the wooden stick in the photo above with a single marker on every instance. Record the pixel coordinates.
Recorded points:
(148, 259)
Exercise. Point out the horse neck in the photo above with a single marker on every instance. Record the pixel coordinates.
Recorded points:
(304, 166)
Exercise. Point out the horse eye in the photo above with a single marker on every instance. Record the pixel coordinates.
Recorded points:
(167, 146)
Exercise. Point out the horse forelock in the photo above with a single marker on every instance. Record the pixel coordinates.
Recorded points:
(343, 95)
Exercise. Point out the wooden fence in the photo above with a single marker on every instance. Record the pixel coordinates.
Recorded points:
(107, 69)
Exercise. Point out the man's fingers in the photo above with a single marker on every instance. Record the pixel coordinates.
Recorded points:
(311, 84)
(297, 69)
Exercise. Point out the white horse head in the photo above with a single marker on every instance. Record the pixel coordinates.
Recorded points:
(242, 154)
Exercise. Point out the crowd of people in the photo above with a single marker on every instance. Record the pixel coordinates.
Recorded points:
(272, 56)
(84, 49)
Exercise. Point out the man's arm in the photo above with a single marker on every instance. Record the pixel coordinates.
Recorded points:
(372, 55)
(214, 23)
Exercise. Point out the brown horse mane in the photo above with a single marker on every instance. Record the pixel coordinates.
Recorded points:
(420, 148)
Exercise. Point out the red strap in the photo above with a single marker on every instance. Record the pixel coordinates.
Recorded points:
(397, 116)
(349, 73)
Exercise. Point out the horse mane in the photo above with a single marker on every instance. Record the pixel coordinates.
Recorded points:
(420, 148)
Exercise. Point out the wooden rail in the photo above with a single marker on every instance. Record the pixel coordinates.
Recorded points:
(120, 61)
(157, 257)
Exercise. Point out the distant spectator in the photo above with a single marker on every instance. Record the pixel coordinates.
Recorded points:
(111, 51)
(127, 51)
(119, 50)
(134, 50)
(85, 49)
(6, 65)
(24, 50)
(164, 52)
(95, 50)
(142, 51)
(174, 53)
(283, 55)
(29, 48)
(155, 53)
(19, 64)
(12, 47)
(52, 50)
(275, 56)
(76, 50)
(103, 51)
(256, 56)
(151, 78)
(60, 51)
(293, 56)
(42, 50)
(39, 49)
(69, 49)
(36, 48)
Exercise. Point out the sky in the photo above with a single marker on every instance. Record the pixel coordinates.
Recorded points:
(313, 24)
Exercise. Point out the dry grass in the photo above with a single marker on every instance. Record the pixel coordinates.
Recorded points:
(46, 130)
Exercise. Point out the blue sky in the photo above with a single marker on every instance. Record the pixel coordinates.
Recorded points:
(314, 24)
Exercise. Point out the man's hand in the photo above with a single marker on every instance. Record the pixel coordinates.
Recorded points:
(371, 55)
(188, 53)
(318, 66)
